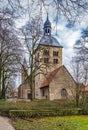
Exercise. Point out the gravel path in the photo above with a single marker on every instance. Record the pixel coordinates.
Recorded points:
(5, 124)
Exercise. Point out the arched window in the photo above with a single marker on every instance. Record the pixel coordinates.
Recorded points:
(48, 30)
(45, 30)
(63, 92)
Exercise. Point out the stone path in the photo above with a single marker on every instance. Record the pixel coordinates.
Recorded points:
(5, 124)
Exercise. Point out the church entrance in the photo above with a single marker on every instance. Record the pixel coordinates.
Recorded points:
(29, 96)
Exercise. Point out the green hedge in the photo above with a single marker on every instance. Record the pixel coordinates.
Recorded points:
(43, 113)
(85, 109)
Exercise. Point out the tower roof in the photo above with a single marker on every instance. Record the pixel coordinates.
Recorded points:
(47, 27)
(47, 23)
(50, 41)
(47, 38)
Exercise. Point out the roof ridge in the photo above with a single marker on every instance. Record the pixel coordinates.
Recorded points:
(50, 77)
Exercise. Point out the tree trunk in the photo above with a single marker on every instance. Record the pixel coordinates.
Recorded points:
(77, 93)
(77, 100)
(32, 87)
(3, 86)
(3, 94)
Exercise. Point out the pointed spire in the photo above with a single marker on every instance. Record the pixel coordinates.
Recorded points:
(47, 17)
(47, 26)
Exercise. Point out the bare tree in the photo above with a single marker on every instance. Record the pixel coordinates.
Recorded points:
(78, 76)
(9, 64)
(80, 65)
(71, 9)
(9, 50)
(31, 33)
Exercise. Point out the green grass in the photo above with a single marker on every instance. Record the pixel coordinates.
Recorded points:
(53, 123)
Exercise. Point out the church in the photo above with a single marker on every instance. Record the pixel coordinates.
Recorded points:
(53, 81)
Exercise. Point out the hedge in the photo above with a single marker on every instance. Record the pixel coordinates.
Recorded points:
(43, 113)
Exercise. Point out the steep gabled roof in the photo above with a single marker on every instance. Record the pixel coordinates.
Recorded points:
(50, 77)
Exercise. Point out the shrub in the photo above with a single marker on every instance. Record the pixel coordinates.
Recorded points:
(85, 109)
(43, 113)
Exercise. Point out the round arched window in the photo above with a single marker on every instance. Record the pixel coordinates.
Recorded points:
(63, 92)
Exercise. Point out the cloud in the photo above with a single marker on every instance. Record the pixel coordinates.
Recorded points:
(67, 36)
(20, 22)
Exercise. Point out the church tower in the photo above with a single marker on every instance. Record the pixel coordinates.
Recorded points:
(49, 56)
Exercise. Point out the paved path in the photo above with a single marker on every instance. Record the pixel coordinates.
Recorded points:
(5, 124)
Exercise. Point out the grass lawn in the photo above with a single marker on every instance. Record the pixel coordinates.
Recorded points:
(53, 123)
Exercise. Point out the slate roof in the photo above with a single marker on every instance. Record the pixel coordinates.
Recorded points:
(50, 41)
